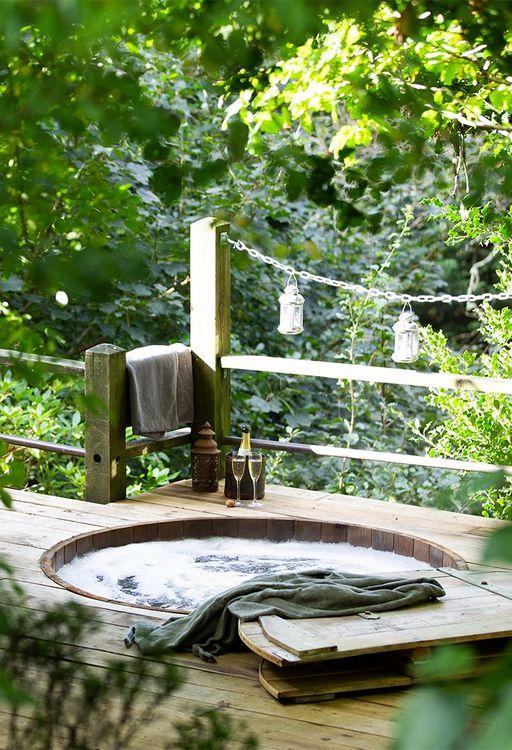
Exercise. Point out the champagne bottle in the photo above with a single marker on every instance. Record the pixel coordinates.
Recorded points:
(245, 445)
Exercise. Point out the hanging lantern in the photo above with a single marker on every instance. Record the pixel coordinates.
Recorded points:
(407, 336)
(292, 309)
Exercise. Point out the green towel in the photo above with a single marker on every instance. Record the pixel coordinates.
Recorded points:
(212, 628)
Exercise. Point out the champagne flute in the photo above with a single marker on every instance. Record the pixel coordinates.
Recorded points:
(255, 460)
(238, 466)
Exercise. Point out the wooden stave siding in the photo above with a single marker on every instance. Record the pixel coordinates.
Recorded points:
(273, 529)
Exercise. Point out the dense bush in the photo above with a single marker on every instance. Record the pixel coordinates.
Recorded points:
(472, 714)
(51, 410)
(57, 699)
(119, 137)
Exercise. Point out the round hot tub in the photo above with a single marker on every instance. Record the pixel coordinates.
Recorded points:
(172, 566)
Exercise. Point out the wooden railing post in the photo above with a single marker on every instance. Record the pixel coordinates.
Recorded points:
(105, 422)
(210, 324)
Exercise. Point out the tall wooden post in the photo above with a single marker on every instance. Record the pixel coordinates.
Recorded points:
(210, 324)
(105, 422)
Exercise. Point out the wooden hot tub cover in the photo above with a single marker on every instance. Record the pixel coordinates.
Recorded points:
(322, 658)
(467, 613)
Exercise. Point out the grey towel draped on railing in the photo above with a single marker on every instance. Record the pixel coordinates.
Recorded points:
(160, 388)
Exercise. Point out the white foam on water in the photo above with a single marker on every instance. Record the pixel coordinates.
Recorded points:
(183, 573)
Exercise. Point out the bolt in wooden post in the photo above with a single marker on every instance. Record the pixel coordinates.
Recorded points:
(105, 422)
(210, 325)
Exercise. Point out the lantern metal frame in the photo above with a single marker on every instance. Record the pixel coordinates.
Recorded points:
(407, 337)
(291, 310)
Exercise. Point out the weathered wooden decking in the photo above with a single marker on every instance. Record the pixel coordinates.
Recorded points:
(355, 723)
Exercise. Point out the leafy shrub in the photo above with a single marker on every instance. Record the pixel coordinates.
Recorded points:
(124, 146)
(211, 730)
(51, 410)
(56, 699)
(475, 714)
(477, 425)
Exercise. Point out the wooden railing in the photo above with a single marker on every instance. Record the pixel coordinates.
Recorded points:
(223, 363)
(367, 374)
(105, 449)
(342, 371)
(104, 370)
(106, 418)
(53, 364)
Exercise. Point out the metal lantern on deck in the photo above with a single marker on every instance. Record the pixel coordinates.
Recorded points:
(205, 461)
(292, 309)
(407, 337)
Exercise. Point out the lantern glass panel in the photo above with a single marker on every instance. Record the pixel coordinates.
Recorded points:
(291, 318)
(405, 349)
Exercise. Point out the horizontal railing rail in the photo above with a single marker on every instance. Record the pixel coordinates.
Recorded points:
(143, 446)
(43, 445)
(366, 373)
(53, 364)
(369, 455)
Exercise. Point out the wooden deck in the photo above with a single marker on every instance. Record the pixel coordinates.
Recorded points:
(355, 723)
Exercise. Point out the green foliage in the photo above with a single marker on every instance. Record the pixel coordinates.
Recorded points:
(392, 99)
(38, 412)
(12, 475)
(477, 423)
(391, 87)
(341, 120)
(499, 547)
(56, 699)
(475, 715)
(418, 730)
(211, 730)
(153, 306)
(52, 410)
(367, 140)
(70, 703)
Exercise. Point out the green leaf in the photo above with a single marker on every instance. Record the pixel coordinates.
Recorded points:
(497, 731)
(167, 180)
(447, 662)
(5, 498)
(431, 720)
(238, 135)
(11, 693)
(499, 546)
(131, 47)
(16, 475)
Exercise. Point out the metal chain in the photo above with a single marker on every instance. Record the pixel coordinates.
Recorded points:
(359, 288)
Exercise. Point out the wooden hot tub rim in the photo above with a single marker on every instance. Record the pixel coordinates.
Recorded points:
(273, 529)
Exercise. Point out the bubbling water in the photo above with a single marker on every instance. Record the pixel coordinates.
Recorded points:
(181, 574)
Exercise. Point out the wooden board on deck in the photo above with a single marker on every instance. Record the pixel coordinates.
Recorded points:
(289, 634)
(306, 683)
(495, 581)
(467, 613)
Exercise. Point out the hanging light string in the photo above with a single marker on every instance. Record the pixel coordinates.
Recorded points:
(389, 296)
